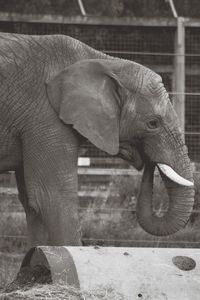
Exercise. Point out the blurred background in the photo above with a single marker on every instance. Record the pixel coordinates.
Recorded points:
(163, 35)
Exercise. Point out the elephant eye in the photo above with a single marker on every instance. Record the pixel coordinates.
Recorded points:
(153, 124)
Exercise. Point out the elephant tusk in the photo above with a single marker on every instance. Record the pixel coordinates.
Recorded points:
(171, 174)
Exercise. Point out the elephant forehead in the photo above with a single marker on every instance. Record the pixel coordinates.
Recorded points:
(151, 105)
(160, 106)
(154, 98)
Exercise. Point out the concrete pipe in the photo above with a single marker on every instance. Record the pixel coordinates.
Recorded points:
(135, 273)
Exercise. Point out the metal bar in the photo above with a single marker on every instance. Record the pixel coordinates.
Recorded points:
(110, 172)
(105, 210)
(173, 9)
(150, 53)
(95, 171)
(192, 22)
(13, 236)
(190, 70)
(93, 209)
(114, 240)
(141, 241)
(179, 72)
(184, 93)
(81, 6)
(95, 20)
(87, 20)
(192, 133)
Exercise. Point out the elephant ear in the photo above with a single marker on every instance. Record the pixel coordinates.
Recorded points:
(86, 96)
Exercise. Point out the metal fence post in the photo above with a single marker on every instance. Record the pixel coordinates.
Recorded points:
(179, 72)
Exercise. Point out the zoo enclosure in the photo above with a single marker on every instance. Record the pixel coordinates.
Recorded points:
(158, 44)
(171, 47)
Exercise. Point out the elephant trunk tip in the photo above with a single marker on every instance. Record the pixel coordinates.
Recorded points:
(181, 201)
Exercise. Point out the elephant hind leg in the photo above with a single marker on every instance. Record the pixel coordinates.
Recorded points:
(37, 233)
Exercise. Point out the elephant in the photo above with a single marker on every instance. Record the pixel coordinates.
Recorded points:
(56, 93)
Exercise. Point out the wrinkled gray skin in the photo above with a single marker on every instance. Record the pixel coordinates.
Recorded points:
(56, 90)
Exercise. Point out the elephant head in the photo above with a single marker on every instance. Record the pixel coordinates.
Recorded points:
(124, 109)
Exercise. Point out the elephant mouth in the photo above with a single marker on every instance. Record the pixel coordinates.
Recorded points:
(131, 154)
(138, 159)
(175, 177)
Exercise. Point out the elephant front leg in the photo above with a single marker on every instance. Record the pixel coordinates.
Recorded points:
(37, 231)
(50, 166)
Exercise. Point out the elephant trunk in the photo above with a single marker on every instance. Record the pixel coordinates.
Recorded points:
(181, 200)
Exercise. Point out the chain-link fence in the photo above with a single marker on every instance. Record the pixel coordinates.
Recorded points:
(192, 89)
